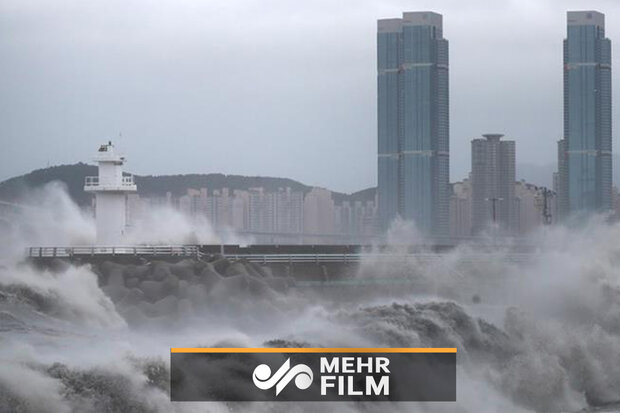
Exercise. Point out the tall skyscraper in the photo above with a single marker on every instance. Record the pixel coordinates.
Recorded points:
(413, 122)
(587, 114)
(493, 183)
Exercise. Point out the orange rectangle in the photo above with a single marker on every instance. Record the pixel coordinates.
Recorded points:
(314, 350)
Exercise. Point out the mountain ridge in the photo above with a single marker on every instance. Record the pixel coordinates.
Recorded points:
(17, 188)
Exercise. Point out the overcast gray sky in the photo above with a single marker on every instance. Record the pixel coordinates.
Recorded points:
(266, 87)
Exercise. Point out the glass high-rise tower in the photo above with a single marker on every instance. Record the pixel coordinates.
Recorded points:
(587, 173)
(413, 122)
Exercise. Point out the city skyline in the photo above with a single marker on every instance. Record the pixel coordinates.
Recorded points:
(414, 140)
(80, 80)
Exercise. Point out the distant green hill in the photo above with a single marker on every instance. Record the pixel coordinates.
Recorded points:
(17, 188)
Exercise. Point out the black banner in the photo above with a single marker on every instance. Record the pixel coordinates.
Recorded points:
(287, 374)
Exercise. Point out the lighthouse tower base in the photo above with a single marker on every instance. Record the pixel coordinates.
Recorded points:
(110, 210)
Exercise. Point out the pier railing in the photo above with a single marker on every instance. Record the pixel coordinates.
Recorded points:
(368, 257)
(148, 250)
(193, 251)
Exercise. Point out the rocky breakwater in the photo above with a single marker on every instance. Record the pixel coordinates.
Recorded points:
(164, 291)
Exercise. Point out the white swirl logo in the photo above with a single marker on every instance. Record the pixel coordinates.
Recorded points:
(264, 380)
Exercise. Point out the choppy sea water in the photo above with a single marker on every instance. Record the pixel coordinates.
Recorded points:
(542, 335)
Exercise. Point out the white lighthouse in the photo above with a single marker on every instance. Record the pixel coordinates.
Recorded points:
(111, 189)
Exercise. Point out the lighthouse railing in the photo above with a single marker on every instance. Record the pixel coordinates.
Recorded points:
(92, 181)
